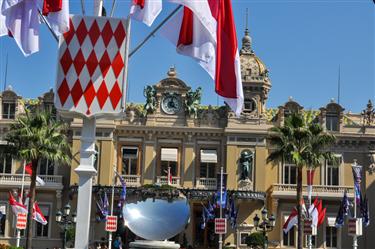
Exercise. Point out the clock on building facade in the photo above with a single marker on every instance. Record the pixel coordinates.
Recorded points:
(171, 103)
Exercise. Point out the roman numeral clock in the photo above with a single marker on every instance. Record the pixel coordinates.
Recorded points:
(171, 103)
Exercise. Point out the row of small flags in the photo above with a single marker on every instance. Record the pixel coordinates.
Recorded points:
(102, 203)
(317, 213)
(231, 212)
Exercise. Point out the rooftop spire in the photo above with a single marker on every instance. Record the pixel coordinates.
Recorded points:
(246, 40)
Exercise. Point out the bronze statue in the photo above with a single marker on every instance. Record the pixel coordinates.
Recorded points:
(246, 162)
(150, 93)
(192, 102)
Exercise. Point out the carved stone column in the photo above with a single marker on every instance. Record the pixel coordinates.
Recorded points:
(58, 199)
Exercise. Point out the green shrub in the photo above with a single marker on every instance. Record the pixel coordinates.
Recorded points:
(255, 240)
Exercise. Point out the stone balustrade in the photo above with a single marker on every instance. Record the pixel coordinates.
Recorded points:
(15, 180)
(326, 191)
(206, 183)
(163, 180)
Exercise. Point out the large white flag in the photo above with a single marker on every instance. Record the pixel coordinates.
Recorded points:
(145, 11)
(22, 21)
(205, 31)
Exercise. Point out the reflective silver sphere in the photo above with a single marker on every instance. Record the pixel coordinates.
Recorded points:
(157, 219)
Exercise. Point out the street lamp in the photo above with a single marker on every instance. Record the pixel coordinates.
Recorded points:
(65, 221)
(266, 226)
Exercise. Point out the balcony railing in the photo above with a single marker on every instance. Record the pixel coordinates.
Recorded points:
(163, 180)
(54, 182)
(132, 180)
(206, 183)
(328, 191)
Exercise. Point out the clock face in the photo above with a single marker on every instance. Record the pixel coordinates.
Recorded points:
(171, 104)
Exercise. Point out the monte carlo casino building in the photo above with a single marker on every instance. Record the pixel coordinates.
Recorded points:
(172, 130)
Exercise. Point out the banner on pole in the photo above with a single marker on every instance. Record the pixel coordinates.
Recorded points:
(355, 226)
(91, 66)
(111, 223)
(21, 221)
(220, 226)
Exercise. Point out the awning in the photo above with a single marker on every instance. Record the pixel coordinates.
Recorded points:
(169, 154)
(331, 221)
(208, 156)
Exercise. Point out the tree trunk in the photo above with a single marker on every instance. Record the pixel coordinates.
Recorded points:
(29, 228)
(299, 208)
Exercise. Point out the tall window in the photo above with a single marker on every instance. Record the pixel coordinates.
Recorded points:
(129, 160)
(208, 163)
(6, 165)
(331, 236)
(169, 160)
(288, 238)
(3, 213)
(332, 122)
(46, 167)
(289, 173)
(9, 110)
(332, 173)
(42, 230)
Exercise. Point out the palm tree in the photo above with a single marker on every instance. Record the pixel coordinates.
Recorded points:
(37, 136)
(303, 143)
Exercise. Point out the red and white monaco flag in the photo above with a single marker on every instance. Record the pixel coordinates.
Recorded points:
(90, 70)
(205, 31)
(38, 215)
(16, 206)
(291, 221)
(57, 14)
(29, 171)
(145, 11)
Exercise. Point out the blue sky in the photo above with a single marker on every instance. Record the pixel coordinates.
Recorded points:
(301, 42)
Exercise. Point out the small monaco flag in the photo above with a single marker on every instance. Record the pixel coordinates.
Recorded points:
(16, 206)
(38, 215)
(145, 11)
(29, 171)
(205, 30)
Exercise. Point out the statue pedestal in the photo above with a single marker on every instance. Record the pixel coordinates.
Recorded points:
(245, 185)
(140, 244)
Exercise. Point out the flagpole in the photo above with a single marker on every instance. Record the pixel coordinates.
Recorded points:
(48, 25)
(355, 241)
(221, 204)
(21, 197)
(154, 31)
(113, 8)
(126, 63)
(112, 200)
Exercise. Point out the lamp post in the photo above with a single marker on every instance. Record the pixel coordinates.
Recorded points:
(65, 220)
(265, 226)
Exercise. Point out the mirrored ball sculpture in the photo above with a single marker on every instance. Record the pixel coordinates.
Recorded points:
(157, 219)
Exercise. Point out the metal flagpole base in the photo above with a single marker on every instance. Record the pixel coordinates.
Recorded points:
(85, 172)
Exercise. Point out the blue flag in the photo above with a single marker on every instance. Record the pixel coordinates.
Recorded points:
(224, 199)
(123, 191)
(233, 214)
(365, 212)
(343, 211)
